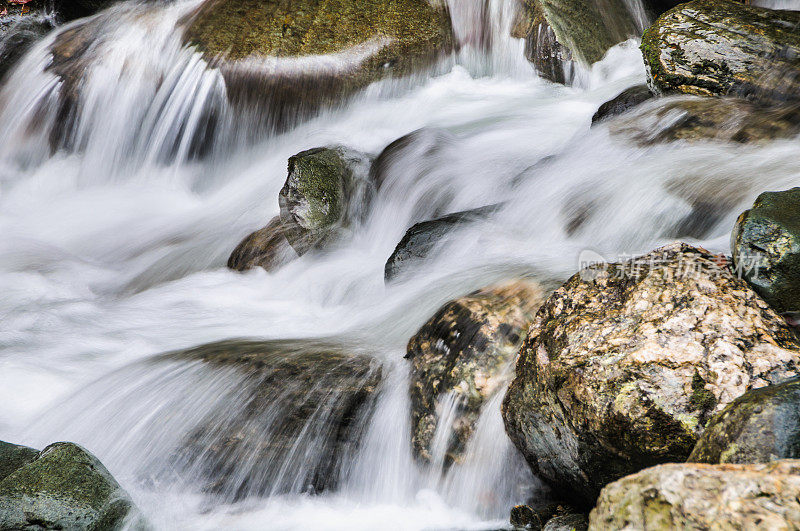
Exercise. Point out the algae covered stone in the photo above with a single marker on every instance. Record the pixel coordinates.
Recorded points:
(766, 248)
(327, 190)
(464, 354)
(626, 362)
(14, 456)
(760, 426)
(701, 496)
(721, 47)
(64, 487)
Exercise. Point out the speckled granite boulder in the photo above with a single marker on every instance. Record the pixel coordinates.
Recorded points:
(626, 362)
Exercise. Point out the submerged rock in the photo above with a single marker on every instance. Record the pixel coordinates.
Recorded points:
(63, 487)
(691, 119)
(626, 362)
(289, 58)
(720, 47)
(267, 248)
(698, 496)
(559, 31)
(627, 99)
(301, 412)
(326, 191)
(422, 239)
(760, 426)
(464, 354)
(766, 248)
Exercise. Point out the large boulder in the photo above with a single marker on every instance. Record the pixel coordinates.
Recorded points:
(301, 410)
(560, 31)
(463, 355)
(699, 496)
(13, 457)
(625, 363)
(760, 426)
(692, 119)
(766, 248)
(63, 487)
(326, 191)
(267, 248)
(422, 239)
(290, 57)
(721, 47)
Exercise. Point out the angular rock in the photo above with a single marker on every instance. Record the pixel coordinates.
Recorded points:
(13, 457)
(326, 191)
(288, 58)
(628, 99)
(302, 409)
(720, 47)
(559, 31)
(422, 239)
(691, 119)
(63, 487)
(758, 427)
(266, 248)
(765, 244)
(699, 496)
(465, 352)
(626, 362)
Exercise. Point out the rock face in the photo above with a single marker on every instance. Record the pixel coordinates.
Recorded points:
(720, 47)
(695, 496)
(559, 31)
(303, 407)
(766, 248)
(760, 426)
(327, 189)
(293, 56)
(690, 119)
(628, 99)
(266, 248)
(465, 350)
(626, 362)
(63, 487)
(421, 239)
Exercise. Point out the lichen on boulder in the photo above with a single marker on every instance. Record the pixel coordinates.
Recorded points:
(465, 352)
(63, 487)
(765, 243)
(701, 496)
(626, 362)
(721, 47)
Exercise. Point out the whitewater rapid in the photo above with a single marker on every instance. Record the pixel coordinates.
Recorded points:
(114, 251)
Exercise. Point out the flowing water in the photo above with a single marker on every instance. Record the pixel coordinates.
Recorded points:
(116, 221)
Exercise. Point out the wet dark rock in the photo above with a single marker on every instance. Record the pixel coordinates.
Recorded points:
(567, 522)
(267, 248)
(628, 99)
(693, 119)
(13, 457)
(560, 31)
(301, 411)
(72, 9)
(758, 427)
(700, 496)
(63, 487)
(19, 32)
(625, 364)
(422, 239)
(327, 190)
(720, 47)
(294, 57)
(766, 248)
(466, 350)
(525, 517)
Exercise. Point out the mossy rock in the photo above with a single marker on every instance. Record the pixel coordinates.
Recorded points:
(307, 53)
(14, 456)
(765, 243)
(721, 47)
(758, 427)
(64, 487)
(327, 191)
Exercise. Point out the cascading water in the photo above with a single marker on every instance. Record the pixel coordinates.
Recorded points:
(116, 220)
